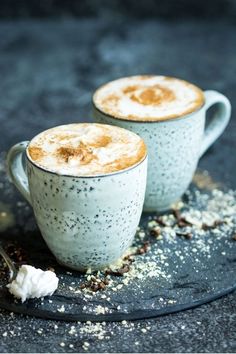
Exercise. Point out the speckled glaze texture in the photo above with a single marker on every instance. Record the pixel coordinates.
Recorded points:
(174, 148)
(85, 221)
(170, 168)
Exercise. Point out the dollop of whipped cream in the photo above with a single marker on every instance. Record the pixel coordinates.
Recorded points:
(32, 282)
(148, 98)
(86, 149)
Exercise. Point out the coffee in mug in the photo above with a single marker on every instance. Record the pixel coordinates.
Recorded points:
(170, 115)
(86, 183)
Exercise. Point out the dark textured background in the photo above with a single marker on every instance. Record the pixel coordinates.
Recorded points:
(168, 9)
(53, 54)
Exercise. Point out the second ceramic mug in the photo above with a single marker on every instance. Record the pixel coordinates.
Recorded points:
(174, 147)
(86, 221)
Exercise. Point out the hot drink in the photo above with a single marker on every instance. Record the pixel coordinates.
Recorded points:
(86, 149)
(148, 98)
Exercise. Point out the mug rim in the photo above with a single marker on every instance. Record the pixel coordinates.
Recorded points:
(165, 120)
(87, 176)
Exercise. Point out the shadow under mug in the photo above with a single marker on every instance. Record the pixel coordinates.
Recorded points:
(174, 147)
(87, 222)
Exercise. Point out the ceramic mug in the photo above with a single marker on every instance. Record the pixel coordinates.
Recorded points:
(87, 222)
(174, 147)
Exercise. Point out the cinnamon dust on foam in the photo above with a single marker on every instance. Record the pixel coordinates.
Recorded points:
(85, 152)
(154, 95)
(138, 90)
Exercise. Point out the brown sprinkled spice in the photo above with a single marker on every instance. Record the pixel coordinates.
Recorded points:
(129, 258)
(16, 253)
(186, 235)
(181, 221)
(160, 221)
(119, 272)
(176, 214)
(106, 281)
(155, 232)
(95, 284)
(234, 237)
(216, 223)
(143, 249)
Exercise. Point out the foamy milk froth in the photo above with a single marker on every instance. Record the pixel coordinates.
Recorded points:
(148, 98)
(86, 149)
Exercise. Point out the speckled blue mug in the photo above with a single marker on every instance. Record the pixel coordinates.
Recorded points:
(174, 147)
(87, 222)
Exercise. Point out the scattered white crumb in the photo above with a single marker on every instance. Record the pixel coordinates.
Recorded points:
(152, 224)
(61, 309)
(141, 234)
(85, 345)
(100, 310)
(72, 330)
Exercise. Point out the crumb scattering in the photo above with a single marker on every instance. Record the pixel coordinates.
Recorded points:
(189, 230)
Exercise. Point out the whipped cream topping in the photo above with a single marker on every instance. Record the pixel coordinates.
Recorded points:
(86, 149)
(33, 283)
(148, 98)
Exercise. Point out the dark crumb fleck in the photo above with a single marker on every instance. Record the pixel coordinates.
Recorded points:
(4, 273)
(129, 258)
(160, 221)
(176, 214)
(186, 235)
(234, 237)
(16, 253)
(210, 227)
(155, 232)
(144, 248)
(119, 272)
(95, 284)
(181, 221)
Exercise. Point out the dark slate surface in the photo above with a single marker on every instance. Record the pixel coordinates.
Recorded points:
(137, 9)
(48, 71)
(183, 280)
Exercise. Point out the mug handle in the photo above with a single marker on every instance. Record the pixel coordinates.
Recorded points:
(16, 170)
(220, 119)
